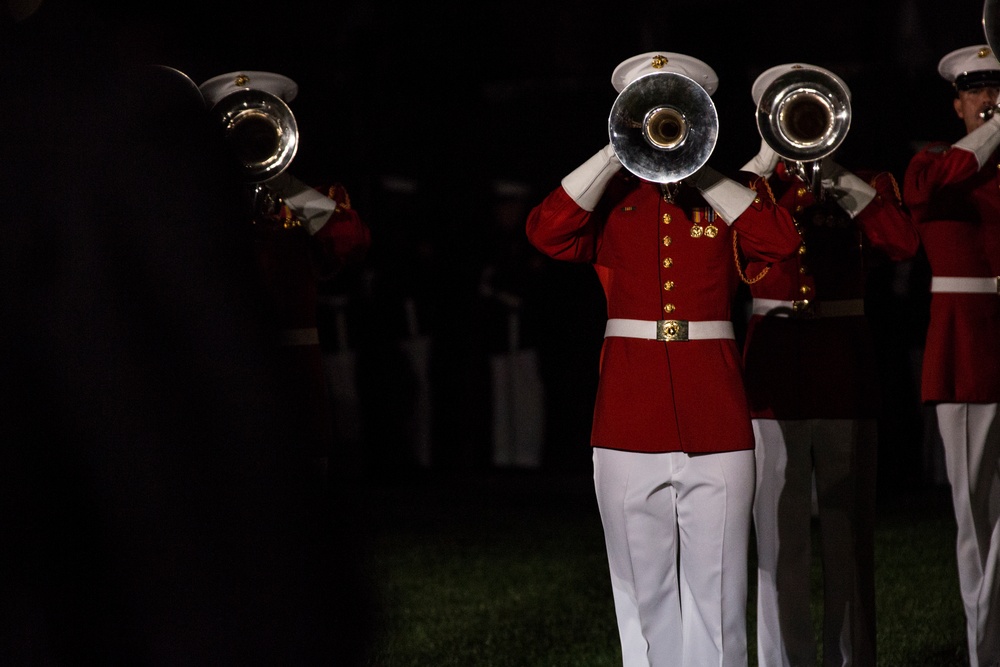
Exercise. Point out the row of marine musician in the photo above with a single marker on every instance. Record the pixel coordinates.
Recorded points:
(698, 444)
(797, 408)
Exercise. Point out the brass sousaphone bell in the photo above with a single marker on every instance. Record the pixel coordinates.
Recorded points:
(663, 127)
(804, 115)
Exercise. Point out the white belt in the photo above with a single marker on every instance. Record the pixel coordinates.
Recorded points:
(806, 308)
(989, 285)
(669, 330)
(307, 336)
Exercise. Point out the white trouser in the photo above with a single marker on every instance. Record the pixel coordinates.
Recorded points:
(970, 433)
(841, 453)
(677, 530)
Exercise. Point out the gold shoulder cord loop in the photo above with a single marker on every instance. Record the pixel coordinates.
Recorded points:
(895, 186)
(767, 186)
(736, 251)
(739, 268)
(332, 194)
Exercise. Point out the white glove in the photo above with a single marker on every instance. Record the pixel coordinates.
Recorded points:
(587, 183)
(311, 207)
(850, 192)
(726, 196)
(983, 140)
(764, 162)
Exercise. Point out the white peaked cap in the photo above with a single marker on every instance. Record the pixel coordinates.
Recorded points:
(664, 61)
(970, 67)
(769, 76)
(219, 86)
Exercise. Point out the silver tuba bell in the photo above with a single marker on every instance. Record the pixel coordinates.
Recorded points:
(663, 127)
(804, 115)
(260, 130)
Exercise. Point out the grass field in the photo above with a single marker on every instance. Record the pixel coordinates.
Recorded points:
(509, 570)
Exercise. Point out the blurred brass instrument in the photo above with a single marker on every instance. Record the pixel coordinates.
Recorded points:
(261, 131)
(663, 127)
(804, 115)
(991, 25)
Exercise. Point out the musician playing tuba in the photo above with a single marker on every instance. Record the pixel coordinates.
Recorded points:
(671, 438)
(811, 375)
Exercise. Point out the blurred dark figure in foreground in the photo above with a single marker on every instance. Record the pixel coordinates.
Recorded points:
(150, 512)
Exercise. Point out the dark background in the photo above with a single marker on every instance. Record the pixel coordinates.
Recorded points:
(522, 89)
(141, 439)
(448, 122)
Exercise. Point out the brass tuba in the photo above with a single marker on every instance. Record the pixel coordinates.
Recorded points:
(804, 115)
(663, 127)
(261, 131)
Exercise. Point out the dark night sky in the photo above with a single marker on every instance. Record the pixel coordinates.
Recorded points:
(521, 90)
(453, 100)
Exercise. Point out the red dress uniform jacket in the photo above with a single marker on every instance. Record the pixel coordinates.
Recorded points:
(292, 263)
(800, 363)
(956, 207)
(658, 396)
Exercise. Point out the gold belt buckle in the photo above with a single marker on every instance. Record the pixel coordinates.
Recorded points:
(671, 330)
(803, 308)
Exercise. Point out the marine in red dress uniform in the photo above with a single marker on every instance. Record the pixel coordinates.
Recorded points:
(310, 236)
(953, 192)
(666, 258)
(296, 250)
(812, 384)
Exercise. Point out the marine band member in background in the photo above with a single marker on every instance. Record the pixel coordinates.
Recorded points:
(813, 387)
(307, 235)
(953, 192)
